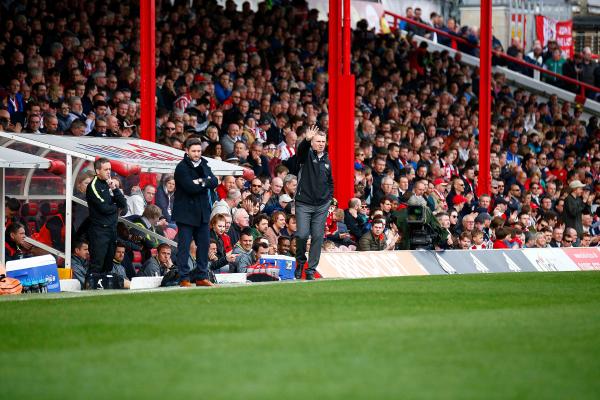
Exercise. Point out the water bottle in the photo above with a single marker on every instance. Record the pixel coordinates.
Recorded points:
(25, 284)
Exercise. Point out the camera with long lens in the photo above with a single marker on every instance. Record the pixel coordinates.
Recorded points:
(421, 235)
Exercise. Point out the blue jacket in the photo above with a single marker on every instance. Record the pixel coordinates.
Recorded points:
(193, 201)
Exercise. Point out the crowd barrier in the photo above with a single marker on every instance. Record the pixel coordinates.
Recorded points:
(372, 264)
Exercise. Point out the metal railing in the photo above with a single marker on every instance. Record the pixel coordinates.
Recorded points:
(455, 40)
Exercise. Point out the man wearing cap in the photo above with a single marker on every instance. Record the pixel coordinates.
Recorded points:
(574, 206)
(314, 193)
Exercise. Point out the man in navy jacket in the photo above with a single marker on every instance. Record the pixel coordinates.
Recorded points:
(194, 182)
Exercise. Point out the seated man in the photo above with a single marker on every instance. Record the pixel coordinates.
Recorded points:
(283, 246)
(374, 240)
(118, 268)
(160, 264)
(244, 248)
(150, 220)
(137, 202)
(15, 245)
(259, 249)
(79, 260)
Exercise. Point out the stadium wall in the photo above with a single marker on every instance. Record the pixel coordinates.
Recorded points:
(372, 264)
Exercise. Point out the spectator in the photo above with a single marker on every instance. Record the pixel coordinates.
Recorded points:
(464, 241)
(149, 220)
(557, 236)
(16, 247)
(540, 241)
(283, 246)
(373, 240)
(117, 266)
(159, 264)
(222, 256)
(241, 221)
(136, 203)
(260, 226)
(274, 232)
(79, 260)
(227, 205)
(574, 206)
(243, 248)
(165, 195)
(555, 64)
(80, 212)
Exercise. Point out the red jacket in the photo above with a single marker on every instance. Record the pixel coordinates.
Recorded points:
(500, 244)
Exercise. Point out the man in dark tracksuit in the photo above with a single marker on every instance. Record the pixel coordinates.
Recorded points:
(313, 198)
(194, 181)
(104, 200)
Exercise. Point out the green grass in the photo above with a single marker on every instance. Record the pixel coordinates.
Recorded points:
(506, 336)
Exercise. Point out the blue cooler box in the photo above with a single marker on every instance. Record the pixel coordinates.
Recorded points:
(287, 265)
(35, 270)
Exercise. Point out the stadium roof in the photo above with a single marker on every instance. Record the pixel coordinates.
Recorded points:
(10, 158)
(151, 157)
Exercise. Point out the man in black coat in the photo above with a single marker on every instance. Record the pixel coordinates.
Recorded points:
(104, 200)
(194, 181)
(313, 198)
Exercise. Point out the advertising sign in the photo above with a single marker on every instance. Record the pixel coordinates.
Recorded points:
(586, 258)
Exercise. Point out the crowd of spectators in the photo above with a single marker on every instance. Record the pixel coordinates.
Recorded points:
(249, 83)
(582, 67)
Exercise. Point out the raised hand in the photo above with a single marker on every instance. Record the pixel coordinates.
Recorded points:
(311, 132)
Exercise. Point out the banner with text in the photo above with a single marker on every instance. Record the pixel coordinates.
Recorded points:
(561, 31)
(371, 264)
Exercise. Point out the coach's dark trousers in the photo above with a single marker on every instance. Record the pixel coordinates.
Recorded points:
(200, 235)
(310, 222)
(102, 247)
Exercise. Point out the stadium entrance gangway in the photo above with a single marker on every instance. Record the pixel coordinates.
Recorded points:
(532, 84)
(78, 153)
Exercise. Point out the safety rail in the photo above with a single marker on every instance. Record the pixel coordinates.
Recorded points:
(580, 98)
(134, 226)
(45, 247)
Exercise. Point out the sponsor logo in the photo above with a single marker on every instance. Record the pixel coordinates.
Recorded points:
(132, 151)
(479, 265)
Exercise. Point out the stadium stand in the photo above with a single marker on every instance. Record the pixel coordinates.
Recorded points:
(248, 83)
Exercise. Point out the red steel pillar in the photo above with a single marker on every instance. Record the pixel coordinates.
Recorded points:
(341, 101)
(485, 97)
(345, 178)
(148, 70)
(333, 69)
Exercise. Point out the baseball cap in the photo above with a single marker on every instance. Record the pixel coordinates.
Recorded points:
(439, 181)
(576, 184)
(285, 198)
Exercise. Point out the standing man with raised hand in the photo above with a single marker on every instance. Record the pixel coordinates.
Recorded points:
(104, 200)
(313, 198)
(194, 181)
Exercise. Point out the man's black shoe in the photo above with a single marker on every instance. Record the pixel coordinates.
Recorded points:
(298, 273)
(310, 276)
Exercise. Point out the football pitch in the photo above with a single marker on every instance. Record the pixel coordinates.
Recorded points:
(495, 336)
